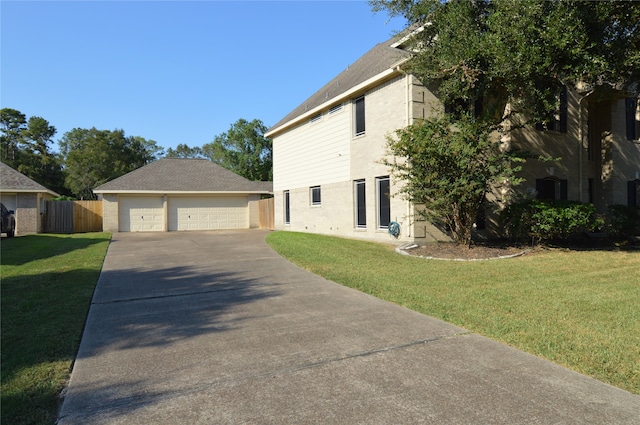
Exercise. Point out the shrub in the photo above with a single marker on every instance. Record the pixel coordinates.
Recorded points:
(623, 221)
(549, 220)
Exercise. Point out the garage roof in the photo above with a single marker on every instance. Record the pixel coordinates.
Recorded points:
(14, 181)
(175, 175)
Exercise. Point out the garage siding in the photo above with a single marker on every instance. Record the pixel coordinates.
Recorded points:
(208, 213)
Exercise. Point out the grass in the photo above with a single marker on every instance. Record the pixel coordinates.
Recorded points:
(46, 289)
(580, 309)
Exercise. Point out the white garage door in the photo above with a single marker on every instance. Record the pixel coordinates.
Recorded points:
(141, 214)
(208, 213)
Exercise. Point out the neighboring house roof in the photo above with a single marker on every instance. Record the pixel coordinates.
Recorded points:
(14, 181)
(172, 175)
(375, 64)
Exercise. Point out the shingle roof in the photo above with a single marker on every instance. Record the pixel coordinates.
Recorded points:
(14, 181)
(379, 59)
(172, 175)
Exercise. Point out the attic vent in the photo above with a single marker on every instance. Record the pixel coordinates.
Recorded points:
(315, 118)
(335, 109)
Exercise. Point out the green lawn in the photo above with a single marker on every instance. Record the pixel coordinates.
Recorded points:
(47, 282)
(578, 309)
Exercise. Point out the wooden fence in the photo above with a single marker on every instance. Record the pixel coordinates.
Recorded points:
(72, 216)
(265, 207)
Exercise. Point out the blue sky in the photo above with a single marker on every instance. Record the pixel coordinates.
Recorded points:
(176, 72)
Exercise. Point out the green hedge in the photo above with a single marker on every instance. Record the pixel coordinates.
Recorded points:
(550, 220)
(623, 221)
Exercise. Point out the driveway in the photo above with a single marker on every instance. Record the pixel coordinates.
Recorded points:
(216, 328)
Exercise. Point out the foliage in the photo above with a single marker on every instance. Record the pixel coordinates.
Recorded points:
(47, 284)
(557, 304)
(184, 151)
(623, 221)
(502, 62)
(93, 157)
(12, 124)
(244, 150)
(550, 220)
(449, 169)
(26, 147)
(505, 51)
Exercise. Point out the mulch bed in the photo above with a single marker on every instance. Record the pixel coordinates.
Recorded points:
(506, 249)
(478, 251)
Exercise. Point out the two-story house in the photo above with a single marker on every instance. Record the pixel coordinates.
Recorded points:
(328, 178)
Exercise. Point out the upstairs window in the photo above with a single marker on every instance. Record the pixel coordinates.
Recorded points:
(632, 118)
(558, 120)
(315, 195)
(358, 105)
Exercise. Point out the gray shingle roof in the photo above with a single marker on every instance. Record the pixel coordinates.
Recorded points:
(379, 59)
(14, 181)
(172, 175)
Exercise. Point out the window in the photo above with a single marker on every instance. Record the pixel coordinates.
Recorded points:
(632, 115)
(551, 188)
(359, 190)
(315, 195)
(359, 116)
(384, 202)
(558, 121)
(287, 209)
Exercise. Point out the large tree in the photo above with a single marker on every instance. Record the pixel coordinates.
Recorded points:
(184, 151)
(93, 157)
(38, 161)
(501, 63)
(244, 150)
(12, 124)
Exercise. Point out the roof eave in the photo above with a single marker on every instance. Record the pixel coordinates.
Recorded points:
(376, 79)
(50, 192)
(181, 192)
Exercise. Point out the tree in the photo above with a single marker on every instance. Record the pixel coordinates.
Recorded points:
(93, 157)
(243, 150)
(500, 63)
(37, 160)
(12, 123)
(449, 169)
(184, 151)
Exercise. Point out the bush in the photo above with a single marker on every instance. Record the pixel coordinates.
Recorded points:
(623, 221)
(549, 220)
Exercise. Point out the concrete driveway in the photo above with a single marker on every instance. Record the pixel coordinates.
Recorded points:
(216, 328)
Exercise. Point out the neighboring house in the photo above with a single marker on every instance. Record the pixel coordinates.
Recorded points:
(180, 194)
(24, 196)
(327, 175)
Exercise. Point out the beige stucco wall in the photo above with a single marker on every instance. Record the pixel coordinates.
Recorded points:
(625, 154)
(110, 213)
(254, 211)
(326, 153)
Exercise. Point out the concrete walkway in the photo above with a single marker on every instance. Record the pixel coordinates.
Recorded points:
(216, 328)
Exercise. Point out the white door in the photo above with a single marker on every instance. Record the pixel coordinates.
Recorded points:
(141, 214)
(208, 213)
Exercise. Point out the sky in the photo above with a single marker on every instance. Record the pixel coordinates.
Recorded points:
(176, 71)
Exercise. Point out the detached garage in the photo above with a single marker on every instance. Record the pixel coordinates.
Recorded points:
(175, 194)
